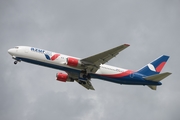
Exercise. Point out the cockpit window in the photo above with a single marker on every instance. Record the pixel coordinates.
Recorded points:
(16, 47)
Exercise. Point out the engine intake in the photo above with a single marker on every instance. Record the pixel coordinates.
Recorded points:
(72, 62)
(63, 77)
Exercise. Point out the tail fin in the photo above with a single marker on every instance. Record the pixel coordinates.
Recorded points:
(156, 78)
(154, 67)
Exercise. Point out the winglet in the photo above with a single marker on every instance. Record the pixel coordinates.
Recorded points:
(127, 45)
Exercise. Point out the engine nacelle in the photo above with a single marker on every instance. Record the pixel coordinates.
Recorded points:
(63, 77)
(74, 62)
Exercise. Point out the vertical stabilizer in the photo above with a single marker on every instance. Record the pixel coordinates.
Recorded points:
(154, 67)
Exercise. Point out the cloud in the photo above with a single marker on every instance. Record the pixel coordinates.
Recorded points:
(84, 28)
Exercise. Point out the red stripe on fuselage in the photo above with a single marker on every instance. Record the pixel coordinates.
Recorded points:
(119, 75)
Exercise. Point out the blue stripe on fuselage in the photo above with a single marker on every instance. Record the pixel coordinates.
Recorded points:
(48, 65)
(136, 79)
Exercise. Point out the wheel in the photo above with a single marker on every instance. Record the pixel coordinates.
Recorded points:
(87, 77)
(15, 62)
(84, 76)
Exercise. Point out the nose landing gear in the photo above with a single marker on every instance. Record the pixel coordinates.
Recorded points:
(15, 62)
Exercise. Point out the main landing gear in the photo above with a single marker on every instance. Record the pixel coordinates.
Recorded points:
(85, 75)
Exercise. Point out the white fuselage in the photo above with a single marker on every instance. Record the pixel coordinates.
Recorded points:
(36, 54)
(81, 70)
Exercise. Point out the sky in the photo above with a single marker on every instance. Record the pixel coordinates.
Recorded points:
(83, 28)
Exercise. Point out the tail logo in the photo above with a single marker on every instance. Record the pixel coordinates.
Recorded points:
(158, 68)
(155, 66)
(151, 67)
(51, 56)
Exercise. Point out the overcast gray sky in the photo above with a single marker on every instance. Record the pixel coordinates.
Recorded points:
(82, 28)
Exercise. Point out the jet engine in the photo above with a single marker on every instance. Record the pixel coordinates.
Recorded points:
(74, 62)
(63, 77)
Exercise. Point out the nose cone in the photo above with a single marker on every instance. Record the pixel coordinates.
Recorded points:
(10, 51)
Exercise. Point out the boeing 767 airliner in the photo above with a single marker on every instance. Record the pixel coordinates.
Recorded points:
(82, 70)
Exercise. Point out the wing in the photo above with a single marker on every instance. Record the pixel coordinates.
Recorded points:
(87, 84)
(84, 82)
(92, 63)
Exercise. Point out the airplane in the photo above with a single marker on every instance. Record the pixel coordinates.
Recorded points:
(83, 70)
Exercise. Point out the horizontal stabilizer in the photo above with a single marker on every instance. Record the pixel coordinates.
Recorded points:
(153, 87)
(157, 77)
